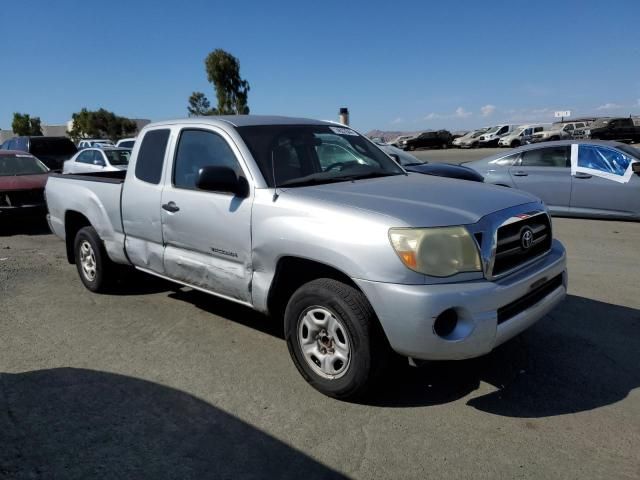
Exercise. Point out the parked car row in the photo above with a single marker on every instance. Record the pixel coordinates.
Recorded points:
(622, 129)
(54, 152)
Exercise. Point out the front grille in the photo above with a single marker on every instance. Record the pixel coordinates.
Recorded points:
(20, 198)
(529, 300)
(509, 250)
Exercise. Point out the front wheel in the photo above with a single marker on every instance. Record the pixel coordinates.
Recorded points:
(332, 338)
(94, 265)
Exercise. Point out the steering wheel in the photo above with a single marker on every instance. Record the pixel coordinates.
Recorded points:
(335, 165)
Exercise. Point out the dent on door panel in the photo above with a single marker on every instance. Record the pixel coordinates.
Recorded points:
(208, 272)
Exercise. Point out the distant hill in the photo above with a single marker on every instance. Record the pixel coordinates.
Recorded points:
(387, 135)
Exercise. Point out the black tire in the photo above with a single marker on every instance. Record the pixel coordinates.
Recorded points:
(553, 139)
(475, 145)
(368, 348)
(445, 146)
(103, 277)
(515, 144)
(411, 148)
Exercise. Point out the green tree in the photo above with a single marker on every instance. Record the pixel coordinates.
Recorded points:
(100, 124)
(223, 71)
(24, 124)
(199, 105)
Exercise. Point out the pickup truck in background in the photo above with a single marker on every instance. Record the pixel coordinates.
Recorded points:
(358, 258)
(622, 129)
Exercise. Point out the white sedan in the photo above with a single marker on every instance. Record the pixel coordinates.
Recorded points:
(107, 159)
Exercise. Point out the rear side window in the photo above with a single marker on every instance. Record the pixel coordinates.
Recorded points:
(546, 157)
(151, 156)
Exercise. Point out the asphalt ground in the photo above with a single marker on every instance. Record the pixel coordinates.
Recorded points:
(158, 381)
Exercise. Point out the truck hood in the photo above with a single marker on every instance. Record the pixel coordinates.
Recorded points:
(417, 200)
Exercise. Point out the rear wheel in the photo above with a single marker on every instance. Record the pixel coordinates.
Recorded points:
(332, 336)
(94, 265)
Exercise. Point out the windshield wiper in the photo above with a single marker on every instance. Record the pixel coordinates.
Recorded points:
(320, 178)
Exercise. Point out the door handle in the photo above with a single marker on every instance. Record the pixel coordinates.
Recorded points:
(171, 207)
(582, 175)
(520, 173)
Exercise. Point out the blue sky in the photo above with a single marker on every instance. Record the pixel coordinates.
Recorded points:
(396, 65)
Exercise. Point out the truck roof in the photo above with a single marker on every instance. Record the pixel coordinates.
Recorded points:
(245, 120)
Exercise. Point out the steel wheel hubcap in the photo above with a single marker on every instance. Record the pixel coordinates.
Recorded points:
(324, 342)
(88, 261)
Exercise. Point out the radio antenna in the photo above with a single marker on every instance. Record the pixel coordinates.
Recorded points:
(273, 173)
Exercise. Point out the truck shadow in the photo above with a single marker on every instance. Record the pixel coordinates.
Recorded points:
(585, 355)
(28, 225)
(78, 424)
(231, 311)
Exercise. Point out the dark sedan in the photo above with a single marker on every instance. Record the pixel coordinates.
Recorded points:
(439, 139)
(414, 164)
(22, 181)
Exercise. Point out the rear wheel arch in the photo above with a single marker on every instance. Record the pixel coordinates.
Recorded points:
(73, 222)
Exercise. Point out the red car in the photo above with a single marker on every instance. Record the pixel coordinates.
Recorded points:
(22, 181)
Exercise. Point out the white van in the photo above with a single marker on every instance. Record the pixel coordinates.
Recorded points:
(491, 137)
(522, 135)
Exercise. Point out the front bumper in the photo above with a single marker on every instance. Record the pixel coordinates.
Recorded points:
(408, 312)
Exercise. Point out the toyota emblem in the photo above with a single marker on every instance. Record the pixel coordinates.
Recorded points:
(526, 238)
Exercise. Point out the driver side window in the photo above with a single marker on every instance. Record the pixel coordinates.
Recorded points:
(197, 149)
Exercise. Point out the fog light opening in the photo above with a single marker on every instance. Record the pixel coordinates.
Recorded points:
(446, 323)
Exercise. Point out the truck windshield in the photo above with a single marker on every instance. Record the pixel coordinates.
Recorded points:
(298, 155)
(11, 165)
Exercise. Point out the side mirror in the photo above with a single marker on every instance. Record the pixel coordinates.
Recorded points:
(223, 180)
(395, 156)
(636, 168)
(100, 163)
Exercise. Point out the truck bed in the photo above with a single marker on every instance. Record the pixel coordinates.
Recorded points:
(94, 197)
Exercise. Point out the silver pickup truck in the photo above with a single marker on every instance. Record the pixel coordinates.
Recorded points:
(311, 223)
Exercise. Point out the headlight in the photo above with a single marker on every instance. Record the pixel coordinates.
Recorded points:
(439, 252)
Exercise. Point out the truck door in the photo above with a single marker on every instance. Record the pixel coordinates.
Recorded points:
(141, 200)
(207, 235)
